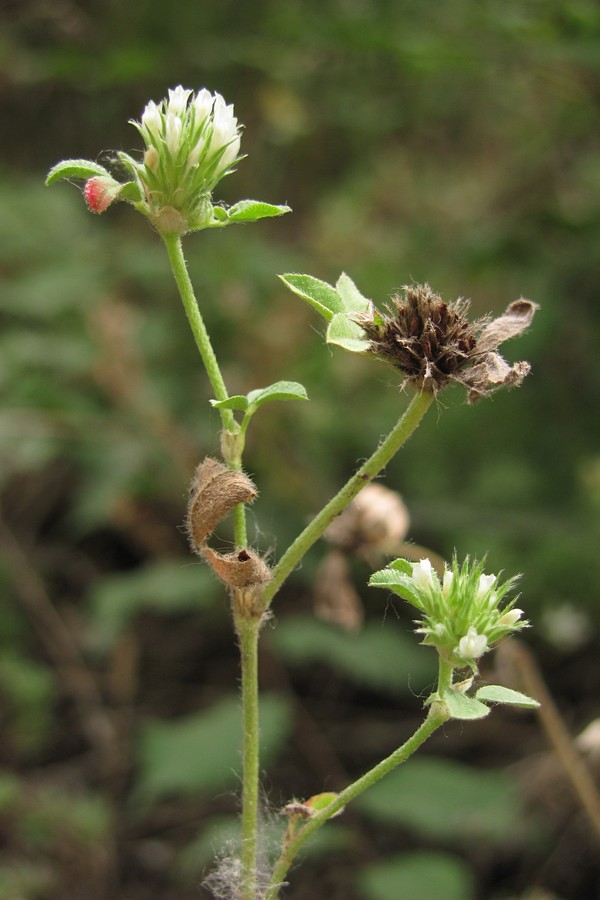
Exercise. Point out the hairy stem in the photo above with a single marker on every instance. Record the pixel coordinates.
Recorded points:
(436, 716)
(408, 422)
(248, 629)
(213, 370)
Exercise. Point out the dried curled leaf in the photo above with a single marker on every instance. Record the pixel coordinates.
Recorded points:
(240, 569)
(214, 492)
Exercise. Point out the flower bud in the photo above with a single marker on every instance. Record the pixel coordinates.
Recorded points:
(510, 618)
(100, 192)
(447, 582)
(486, 582)
(472, 645)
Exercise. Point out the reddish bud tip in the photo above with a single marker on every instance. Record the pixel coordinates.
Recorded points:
(100, 192)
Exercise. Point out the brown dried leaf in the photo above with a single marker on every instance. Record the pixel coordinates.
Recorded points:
(214, 492)
(240, 569)
(516, 318)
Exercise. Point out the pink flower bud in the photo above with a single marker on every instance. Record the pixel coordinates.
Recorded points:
(100, 192)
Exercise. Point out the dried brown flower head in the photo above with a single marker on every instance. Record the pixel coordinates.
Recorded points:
(433, 343)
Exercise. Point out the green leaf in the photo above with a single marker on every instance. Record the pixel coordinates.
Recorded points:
(220, 214)
(350, 295)
(281, 390)
(460, 706)
(201, 752)
(319, 802)
(445, 800)
(346, 333)
(496, 693)
(131, 192)
(319, 294)
(252, 210)
(426, 875)
(398, 581)
(75, 168)
(238, 401)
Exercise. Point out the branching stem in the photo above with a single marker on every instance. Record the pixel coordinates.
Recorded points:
(436, 716)
(407, 423)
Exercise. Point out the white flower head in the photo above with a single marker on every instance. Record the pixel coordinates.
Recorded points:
(192, 141)
(422, 575)
(472, 645)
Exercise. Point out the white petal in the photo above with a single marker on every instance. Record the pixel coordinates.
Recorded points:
(173, 132)
(178, 99)
(423, 575)
(152, 120)
(486, 582)
(447, 582)
(203, 103)
(472, 645)
(510, 618)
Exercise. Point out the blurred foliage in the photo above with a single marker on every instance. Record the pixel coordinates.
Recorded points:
(429, 876)
(456, 145)
(201, 752)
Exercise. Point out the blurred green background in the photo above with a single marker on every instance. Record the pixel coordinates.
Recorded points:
(455, 143)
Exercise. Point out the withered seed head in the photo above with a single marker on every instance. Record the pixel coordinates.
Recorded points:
(433, 343)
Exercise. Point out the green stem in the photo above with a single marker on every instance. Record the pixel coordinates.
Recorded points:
(445, 674)
(436, 716)
(408, 422)
(202, 339)
(248, 629)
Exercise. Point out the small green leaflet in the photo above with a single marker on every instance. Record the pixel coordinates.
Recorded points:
(351, 297)
(76, 168)
(344, 298)
(496, 693)
(460, 706)
(252, 210)
(321, 296)
(281, 390)
(346, 333)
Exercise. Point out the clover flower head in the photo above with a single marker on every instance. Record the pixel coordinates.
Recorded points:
(192, 141)
(464, 614)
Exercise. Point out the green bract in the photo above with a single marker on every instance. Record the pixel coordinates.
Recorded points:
(338, 305)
